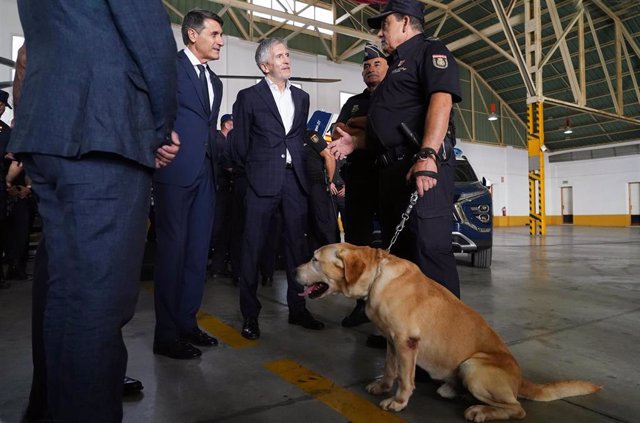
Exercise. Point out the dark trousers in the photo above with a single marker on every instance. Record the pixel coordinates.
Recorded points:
(292, 203)
(17, 224)
(360, 203)
(221, 234)
(184, 218)
(267, 260)
(323, 220)
(426, 239)
(85, 288)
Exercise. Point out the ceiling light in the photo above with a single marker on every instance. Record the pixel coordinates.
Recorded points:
(567, 127)
(544, 148)
(492, 115)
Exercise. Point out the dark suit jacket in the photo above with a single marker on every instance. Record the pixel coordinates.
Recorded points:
(196, 129)
(259, 140)
(92, 94)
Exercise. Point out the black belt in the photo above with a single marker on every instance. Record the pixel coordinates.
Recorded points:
(394, 155)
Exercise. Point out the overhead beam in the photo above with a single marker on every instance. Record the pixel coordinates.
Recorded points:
(564, 50)
(632, 41)
(484, 37)
(238, 4)
(591, 110)
(631, 73)
(350, 13)
(487, 32)
(603, 63)
(515, 49)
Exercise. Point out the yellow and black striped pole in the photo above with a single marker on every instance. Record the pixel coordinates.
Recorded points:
(535, 141)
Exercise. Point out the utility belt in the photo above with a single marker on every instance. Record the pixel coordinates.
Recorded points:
(406, 151)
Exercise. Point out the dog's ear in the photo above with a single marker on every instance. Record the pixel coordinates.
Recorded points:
(353, 263)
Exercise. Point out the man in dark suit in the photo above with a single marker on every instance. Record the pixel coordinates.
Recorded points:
(223, 170)
(268, 137)
(184, 194)
(92, 172)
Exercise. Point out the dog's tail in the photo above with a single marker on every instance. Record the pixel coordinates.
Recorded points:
(555, 390)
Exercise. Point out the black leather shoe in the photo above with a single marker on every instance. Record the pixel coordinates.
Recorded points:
(357, 316)
(198, 337)
(376, 341)
(305, 319)
(250, 328)
(268, 281)
(131, 386)
(176, 349)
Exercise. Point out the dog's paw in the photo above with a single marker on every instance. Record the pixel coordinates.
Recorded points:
(378, 387)
(447, 391)
(475, 413)
(391, 404)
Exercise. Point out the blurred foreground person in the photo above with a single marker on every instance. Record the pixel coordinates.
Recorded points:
(91, 171)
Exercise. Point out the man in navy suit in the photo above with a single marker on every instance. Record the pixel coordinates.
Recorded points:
(184, 194)
(268, 137)
(94, 120)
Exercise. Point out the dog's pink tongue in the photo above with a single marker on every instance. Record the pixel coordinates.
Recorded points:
(307, 290)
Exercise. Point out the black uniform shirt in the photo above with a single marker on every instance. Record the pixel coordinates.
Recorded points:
(314, 162)
(357, 106)
(418, 68)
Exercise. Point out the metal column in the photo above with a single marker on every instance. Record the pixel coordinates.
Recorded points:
(535, 140)
(535, 121)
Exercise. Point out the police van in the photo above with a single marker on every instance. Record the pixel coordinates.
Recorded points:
(472, 229)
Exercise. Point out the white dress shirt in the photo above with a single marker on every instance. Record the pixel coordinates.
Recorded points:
(286, 108)
(195, 62)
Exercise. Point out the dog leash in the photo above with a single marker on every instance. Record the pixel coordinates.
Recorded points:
(405, 216)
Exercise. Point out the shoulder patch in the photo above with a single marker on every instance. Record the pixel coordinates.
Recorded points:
(440, 61)
(315, 138)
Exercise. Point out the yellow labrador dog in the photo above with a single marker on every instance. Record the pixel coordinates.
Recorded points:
(427, 325)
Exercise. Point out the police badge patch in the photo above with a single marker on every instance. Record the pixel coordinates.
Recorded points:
(440, 61)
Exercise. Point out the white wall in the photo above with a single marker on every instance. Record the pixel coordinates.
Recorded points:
(507, 169)
(600, 186)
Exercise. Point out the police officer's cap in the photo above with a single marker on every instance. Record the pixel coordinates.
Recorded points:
(403, 7)
(4, 98)
(371, 51)
(225, 118)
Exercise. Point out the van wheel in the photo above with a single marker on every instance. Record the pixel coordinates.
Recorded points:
(482, 258)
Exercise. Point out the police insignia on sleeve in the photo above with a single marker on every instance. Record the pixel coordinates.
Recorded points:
(355, 109)
(440, 61)
(315, 138)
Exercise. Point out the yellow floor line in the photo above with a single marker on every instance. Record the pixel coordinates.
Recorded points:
(226, 334)
(345, 402)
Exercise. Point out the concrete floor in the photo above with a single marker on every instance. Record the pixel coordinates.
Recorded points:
(568, 306)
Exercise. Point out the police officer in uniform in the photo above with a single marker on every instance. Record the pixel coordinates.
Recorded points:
(320, 166)
(361, 194)
(419, 90)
